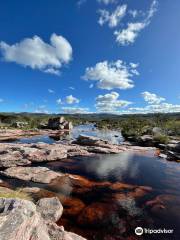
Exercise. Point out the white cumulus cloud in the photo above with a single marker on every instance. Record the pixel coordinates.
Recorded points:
(111, 75)
(110, 102)
(156, 108)
(114, 18)
(128, 35)
(71, 100)
(59, 101)
(152, 98)
(51, 91)
(37, 54)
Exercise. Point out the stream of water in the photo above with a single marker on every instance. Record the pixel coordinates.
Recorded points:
(112, 136)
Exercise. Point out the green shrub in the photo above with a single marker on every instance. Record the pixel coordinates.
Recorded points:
(160, 138)
(172, 127)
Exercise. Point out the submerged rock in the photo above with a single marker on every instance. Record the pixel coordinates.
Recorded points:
(98, 214)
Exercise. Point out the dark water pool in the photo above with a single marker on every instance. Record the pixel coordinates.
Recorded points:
(147, 170)
(134, 169)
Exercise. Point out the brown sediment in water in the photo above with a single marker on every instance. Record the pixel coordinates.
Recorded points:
(92, 209)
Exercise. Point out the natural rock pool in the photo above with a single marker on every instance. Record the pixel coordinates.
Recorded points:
(110, 195)
(108, 201)
(123, 208)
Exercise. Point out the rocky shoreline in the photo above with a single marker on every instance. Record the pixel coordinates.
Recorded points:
(18, 154)
(17, 162)
(169, 150)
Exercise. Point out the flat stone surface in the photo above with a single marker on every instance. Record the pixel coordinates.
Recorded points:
(12, 159)
(12, 155)
(35, 174)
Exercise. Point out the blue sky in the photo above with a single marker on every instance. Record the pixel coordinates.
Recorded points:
(90, 56)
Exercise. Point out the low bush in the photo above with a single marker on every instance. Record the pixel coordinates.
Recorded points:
(160, 138)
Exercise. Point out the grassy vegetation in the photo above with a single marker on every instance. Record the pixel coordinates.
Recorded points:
(18, 193)
(161, 138)
(7, 120)
(130, 125)
(138, 125)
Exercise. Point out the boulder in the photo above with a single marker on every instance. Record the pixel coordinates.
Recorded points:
(21, 220)
(61, 127)
(59, 123)
(157, 130)
(68, 125)
(173, 155)
(50, 208)
(146, 140)
(53, 123)
(58, 233)
(18, 220)
(174, 146)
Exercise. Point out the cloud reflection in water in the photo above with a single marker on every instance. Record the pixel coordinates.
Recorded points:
(115, 166)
